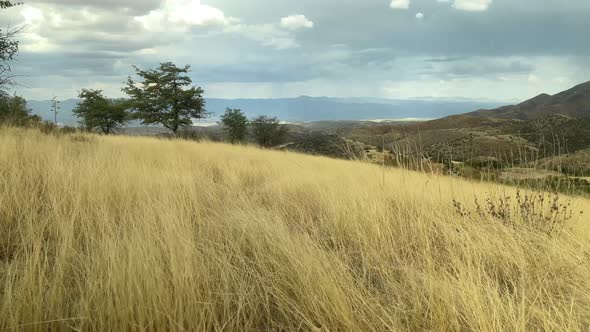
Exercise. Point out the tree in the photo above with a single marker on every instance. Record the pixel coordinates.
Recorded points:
(235, 124)
(14, 111)
(98, 112)
(8, 4)
(268, 132)
(8, 50)
(165, 96)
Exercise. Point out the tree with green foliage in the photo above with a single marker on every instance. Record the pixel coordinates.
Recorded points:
(166, 96)
(268, 131)
(235, 124)
(97, 112)
(15, 112)
(8, 51)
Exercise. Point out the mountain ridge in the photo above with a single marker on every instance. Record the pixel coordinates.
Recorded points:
(574, 102)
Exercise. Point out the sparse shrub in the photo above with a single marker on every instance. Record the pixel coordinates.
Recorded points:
(191, 134)
(70, 130)
(47, 127)
(15, 112)
(330, 145)
(268, 132)
(548, 213)
(563, 184)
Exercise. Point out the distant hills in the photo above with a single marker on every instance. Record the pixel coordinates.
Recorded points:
(65, 116)
(548, 129)
(574, 102)
(542, 127)
(309, 109)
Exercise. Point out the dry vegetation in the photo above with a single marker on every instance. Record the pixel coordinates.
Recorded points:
(118, 233)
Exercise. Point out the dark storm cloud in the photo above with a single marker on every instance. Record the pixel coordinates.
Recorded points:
(447, 59)
(70, 64)
(376, 58)
(469, 67)
(508, 27)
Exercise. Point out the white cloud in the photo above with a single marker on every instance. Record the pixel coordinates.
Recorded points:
(96, 29)
(182, 14)
(266, 34)
(34, 19)
(192, 12)
(420, 16)
(54, 28)
(296, 22)
(400, 4)
(280, 36)
(469, 5)
(32, 15)
(472, 5)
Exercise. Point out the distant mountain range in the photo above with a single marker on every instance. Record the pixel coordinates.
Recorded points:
(308, 109)
(542, 127)
(574, 102)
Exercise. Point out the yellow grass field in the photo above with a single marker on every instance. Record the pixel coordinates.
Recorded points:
(118, 233)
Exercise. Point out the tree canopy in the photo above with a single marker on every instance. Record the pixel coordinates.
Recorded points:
(97, 112)
(165, 96)
(8, 4)
(14, 111)
(268, 131)
(235, 124)
(8, 50)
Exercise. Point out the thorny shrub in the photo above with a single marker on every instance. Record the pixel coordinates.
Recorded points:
(548, 213)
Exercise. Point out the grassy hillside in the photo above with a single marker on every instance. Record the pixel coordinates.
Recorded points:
(118, 233)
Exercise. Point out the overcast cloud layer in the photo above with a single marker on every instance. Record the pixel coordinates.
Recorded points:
(479, 49)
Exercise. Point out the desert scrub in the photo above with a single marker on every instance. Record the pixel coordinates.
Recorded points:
(549, 213)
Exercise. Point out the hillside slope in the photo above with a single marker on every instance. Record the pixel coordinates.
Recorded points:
(542, 127)
(574, 102)
(119, 233)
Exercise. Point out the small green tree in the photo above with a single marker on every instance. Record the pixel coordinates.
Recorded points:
(235, 124)
(268, 132)
(97, 112)
(166, 96)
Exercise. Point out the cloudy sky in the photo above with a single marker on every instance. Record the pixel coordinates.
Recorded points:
(478, 49)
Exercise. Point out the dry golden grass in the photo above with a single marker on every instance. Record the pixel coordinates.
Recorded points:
(118, 233)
